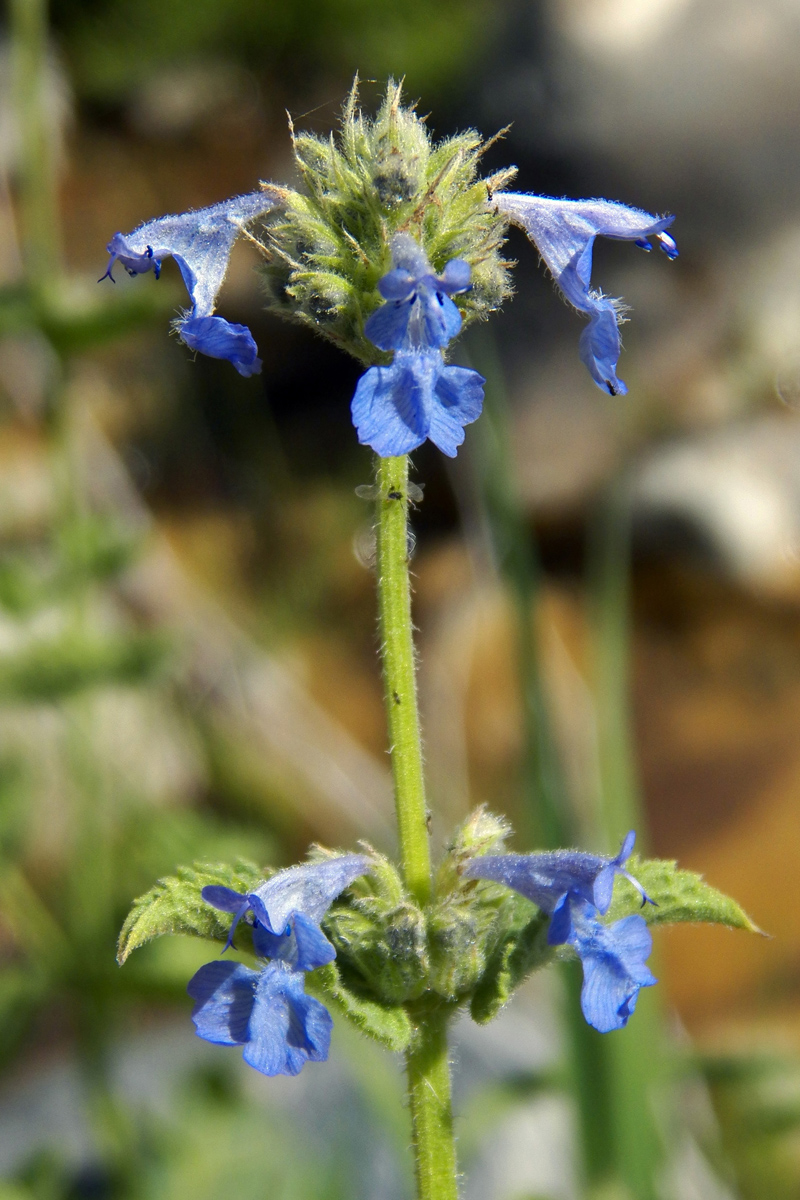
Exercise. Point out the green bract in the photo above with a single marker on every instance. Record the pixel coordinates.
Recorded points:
(175, 905)
(329, 245)
(680, 896)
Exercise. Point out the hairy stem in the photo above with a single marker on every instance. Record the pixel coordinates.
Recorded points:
(399, 676)
(427, 1062)
(428, 1070)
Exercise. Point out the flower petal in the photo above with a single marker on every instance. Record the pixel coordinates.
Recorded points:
(223, 898)
(201, 243)
(608, 998)
(386, 328)
(408, 255)
(603, 887)
(227, 901)
(440, 319)
(547, 878)
(392, 406)
(543, 878)
(397, 284)
(419, 313)
(133, 262)
(599, 347)
(304, 948)
(313, 948)
(219, 338)
(455, 277)
(459, 392)
(614, 968)
(287, 1028)
(560, 929)
(224, 994)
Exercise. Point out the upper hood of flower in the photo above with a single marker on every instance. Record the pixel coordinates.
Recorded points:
(545, 878)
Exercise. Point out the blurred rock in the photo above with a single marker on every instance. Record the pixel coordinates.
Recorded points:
(730, 497)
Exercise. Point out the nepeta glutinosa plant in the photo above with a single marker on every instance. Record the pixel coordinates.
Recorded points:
(391, 245)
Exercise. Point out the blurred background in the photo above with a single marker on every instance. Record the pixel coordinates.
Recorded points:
(607, 591)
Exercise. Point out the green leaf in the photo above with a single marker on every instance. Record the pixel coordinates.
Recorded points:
(388, 1024)
(521, 950)
(175, 905)
(680, 895)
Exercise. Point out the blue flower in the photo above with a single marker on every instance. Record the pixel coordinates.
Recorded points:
(418, 309)
(547, 878)
(267, 1012)
(563, 231)
(396, 408)
(575, 888)
(613, 958)
(201, 243)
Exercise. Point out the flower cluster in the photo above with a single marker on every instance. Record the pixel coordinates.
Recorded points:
(575, 888)
(267, 1011)
(351, 255)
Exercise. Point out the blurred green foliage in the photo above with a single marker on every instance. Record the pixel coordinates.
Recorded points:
(757, 1101)
(114, 45)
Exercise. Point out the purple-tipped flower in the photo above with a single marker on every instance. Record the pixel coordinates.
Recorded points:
(563, 232)
(546, 878)
(201, 243)
(613, 958)
(396, 408)
(267, 1012)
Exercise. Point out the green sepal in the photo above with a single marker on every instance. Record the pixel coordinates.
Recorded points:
(481, 833)
(467, 919)
(520, 951)
(461, 941)
(680, 895)
(388, 1024)
(385, 945)
(175, 905)
(380, 935)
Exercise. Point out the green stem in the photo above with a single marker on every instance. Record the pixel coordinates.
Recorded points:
(427, 1064)
(428, 1070)
(399, 675)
